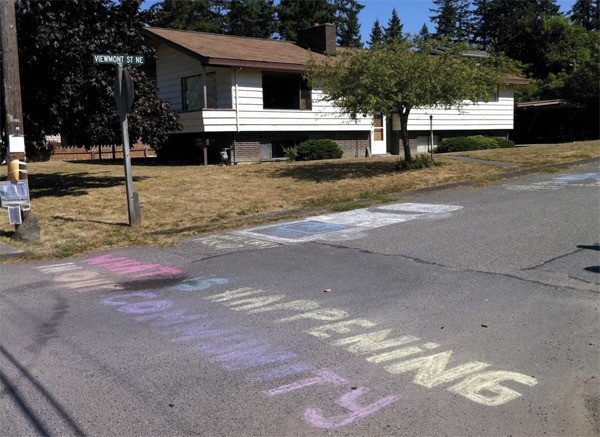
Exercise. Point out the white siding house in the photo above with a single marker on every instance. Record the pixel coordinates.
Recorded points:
(248, 95)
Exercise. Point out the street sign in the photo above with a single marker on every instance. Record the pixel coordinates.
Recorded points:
(119, 59)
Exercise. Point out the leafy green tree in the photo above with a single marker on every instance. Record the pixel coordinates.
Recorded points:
(348, 27)
(376, 37)
(295, 15)
(196, 15)
(393, 31)
(586, 13)
(573, 65)
(383, 80)
(63, 92)
(254, 18)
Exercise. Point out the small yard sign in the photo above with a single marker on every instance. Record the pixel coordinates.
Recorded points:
(120, 59)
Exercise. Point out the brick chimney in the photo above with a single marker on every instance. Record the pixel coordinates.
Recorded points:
(320, 38)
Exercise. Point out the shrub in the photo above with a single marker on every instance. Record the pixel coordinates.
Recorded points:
(291, 153)
(417, 163)
(311, 150)
(476, 142)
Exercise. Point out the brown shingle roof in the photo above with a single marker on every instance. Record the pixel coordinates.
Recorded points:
(236, 51)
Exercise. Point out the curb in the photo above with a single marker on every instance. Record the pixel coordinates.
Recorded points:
(8, 251)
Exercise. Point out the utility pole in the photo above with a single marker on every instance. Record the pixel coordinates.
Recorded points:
(10, 69)
(28, 229)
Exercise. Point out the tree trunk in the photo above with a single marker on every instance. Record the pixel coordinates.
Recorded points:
(403, 115)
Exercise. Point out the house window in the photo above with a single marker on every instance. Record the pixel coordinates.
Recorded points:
(378, 128)
(211, 90)
(286, 91)
(192, 92)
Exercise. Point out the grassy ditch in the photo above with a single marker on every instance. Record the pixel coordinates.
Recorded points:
(82, 206)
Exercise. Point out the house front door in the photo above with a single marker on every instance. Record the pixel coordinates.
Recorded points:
(378, 140)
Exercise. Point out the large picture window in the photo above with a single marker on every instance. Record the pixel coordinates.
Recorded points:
(285, 91)
(192, 92)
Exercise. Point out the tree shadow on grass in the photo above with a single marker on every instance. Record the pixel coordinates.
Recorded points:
(71, 184)
(336, 171)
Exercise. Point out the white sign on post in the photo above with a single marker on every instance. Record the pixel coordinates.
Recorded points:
(16, 144)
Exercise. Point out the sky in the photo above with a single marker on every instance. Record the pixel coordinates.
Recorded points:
(413, 13)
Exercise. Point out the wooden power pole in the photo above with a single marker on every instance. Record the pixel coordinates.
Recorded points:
(13, 113)
(10, 69)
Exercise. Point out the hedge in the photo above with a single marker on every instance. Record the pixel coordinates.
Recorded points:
(475, 142)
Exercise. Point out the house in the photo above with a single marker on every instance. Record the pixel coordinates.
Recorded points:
(248, 95)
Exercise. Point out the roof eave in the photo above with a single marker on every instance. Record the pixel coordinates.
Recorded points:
(169, 43)
(224, 62)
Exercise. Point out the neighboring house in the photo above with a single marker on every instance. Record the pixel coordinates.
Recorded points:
(248, 95)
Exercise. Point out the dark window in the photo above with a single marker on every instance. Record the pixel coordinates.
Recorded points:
(285, 91)
(192, 92)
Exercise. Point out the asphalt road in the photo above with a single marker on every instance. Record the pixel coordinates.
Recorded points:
(461, 312)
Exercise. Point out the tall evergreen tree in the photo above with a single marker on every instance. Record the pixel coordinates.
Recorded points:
(376, 36)
(295, 15)
(254, 18)
(452, 20)
(393, 31)
(348, 26)
(197, 15)
(424, 33)
(64, 93)
(586, 13)
(445, 20)
(515, 28)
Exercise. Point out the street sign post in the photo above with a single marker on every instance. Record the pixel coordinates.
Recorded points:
(124, 94)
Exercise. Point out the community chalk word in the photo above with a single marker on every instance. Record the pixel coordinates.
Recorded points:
(239, 351)
(233, 349)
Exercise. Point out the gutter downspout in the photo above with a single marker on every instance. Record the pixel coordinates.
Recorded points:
(237, 110)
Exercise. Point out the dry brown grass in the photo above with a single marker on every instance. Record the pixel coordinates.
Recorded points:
(542, 154)
(82, 206)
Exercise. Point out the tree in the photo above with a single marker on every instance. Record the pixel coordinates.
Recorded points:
(424, 33)
(63, 92)
(295, 15)
(254, 18)
(376, 37)
(348, 27)
(514, 28)
(452, 19)
(586, 14)
(196, 15)
(393, 31)
(384, 80)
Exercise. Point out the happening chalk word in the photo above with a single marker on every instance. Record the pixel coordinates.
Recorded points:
(379, 346)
